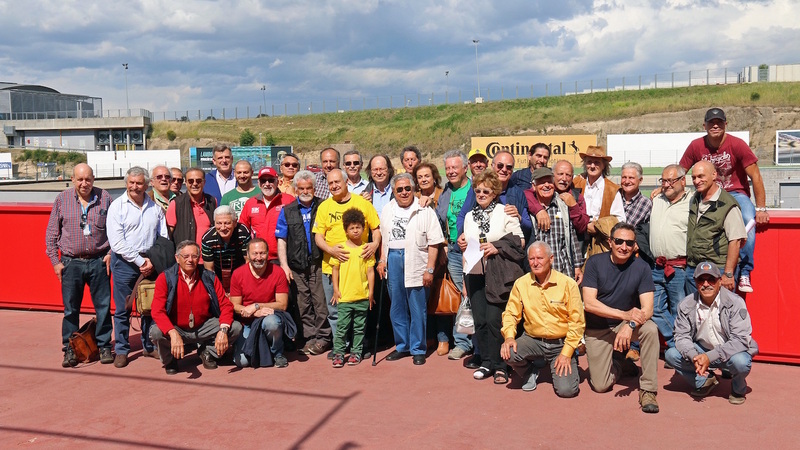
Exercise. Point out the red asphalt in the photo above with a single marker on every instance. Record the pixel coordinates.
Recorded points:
(392, 405)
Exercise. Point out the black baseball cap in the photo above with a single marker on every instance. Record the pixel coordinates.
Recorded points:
(715, 113)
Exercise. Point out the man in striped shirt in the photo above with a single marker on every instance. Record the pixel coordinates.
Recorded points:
(224, 245)
(77, 229)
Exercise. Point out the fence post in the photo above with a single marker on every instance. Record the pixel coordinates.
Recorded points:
(673, 79)
(606, 84)
(640, 82)
(656, 77)
(560, 88)
(726, 75)
(707, 79)
(576, 88)
(591, 86)
(488, 94)
(690, 78)
(546, 86)
(623, 84)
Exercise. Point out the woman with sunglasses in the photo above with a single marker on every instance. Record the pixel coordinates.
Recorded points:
(411, 241)
(290, 165)
(486, 225)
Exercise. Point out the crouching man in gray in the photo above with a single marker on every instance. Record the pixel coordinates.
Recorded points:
(712, 330)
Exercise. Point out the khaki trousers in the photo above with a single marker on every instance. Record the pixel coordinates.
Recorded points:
(604, 371)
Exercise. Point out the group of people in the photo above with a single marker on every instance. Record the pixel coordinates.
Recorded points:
(554, 264)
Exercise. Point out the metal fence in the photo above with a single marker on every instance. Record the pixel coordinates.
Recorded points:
(534, 90)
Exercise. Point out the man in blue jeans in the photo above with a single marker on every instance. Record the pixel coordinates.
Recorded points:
(713, 330)
(735, 163)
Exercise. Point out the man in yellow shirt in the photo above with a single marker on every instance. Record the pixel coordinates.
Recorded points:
(550, 304)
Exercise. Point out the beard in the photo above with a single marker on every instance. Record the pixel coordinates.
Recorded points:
(306, 198)
(258, 265)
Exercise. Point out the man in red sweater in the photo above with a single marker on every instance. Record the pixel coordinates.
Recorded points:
(260, 213)
(190, 307)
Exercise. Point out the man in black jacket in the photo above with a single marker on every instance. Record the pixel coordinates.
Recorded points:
(301, 259)
(190, 216)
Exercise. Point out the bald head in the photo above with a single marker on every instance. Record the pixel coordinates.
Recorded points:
(83, 180)
(704, 177)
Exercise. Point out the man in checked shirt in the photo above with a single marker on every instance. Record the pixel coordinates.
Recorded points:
(77, 229)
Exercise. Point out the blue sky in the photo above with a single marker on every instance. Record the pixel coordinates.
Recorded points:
(213, 54)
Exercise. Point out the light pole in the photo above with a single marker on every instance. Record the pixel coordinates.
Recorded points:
(264, 95)
(127, 103)
(477, 71)
(446, 85)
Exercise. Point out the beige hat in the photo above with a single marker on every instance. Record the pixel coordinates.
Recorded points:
(597, 151)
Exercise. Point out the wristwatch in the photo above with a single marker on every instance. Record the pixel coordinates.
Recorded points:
(256, 305)
(429, 270)
(762, 209)
(632, 324)
(728, 274)
(224, 329)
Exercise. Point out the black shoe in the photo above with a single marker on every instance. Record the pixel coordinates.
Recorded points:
(726, 374)
(69, 358)
(209, 362)
(171, 367)
(418, 360)
(629, 368)
(473, 363)
(105, 356)
(395, 355)
(281, 361)
(366, 354)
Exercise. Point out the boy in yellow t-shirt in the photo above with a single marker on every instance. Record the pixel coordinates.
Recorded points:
(353, 281)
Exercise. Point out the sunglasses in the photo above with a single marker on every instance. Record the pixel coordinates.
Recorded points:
(83, 220)
(403, 189)
(293, 165)
(483, 192)
(267, 180)
(193, 181)
(620, 241)
(351, 163)
(501, 166)
(163, 177)
(177, 180)
(705, 279)
(669, 181)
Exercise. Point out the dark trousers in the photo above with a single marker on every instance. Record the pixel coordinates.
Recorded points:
(76, 275)
(312, 306)
(531, 350)
(488, 322)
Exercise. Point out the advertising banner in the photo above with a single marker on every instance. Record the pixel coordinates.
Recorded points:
(258, 157)
(561, 147)
(787, 147)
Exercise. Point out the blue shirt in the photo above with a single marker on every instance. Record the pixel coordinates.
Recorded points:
(381, 199)
(282, 228)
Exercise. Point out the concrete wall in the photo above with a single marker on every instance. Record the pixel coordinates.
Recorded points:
(774, 177)
(115, 164)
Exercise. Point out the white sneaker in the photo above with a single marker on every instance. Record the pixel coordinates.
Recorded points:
(744, 284)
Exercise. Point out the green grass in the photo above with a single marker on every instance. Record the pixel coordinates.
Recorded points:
(436, 129)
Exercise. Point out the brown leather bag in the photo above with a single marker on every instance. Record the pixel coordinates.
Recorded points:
(445, 297)
(83, 342)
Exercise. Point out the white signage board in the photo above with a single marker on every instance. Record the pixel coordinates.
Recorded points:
(656, 149)
(114, 164)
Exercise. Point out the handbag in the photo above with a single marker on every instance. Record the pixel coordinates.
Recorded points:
(83, 342)
(465, 323)
(141, 296)
(445, 297)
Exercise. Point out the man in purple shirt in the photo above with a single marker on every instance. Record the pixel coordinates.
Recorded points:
(77, 230)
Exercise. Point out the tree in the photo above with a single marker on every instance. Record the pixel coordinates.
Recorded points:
(171, 135)
(247, 138)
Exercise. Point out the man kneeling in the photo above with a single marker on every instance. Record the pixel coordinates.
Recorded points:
(550, 304)
(190, 307)
(712, 330)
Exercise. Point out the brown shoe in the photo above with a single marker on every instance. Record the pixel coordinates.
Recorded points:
(120, 361)
(318, 349)
(736, 399)
(443, 349)
(150, 354)
(647, 400)
(706, 388)
(633, 355)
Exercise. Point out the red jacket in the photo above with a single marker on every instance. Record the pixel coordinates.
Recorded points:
(197, 301)
(262, 219)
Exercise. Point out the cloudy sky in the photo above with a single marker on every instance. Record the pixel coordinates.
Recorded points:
(187, 54)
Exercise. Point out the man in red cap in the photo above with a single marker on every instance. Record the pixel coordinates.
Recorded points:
(261, 212)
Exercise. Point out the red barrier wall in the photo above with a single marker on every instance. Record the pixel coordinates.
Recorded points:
(28, 281)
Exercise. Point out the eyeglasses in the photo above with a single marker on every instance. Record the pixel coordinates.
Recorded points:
(190, 257)
(163, 177)
(669, 181)
(620, 241)
(267, 180)
(293, 165)
(483, 191)
(501, 166)
(351, 163)
(177, 180)
(192, 181)
(402, 189)
(705, 279)
(593, 162)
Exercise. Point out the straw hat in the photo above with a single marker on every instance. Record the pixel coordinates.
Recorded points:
(597, 151)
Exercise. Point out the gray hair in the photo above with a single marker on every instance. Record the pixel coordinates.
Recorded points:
(137, 171)
(354, 152)
(543, 245)
(187, 243)
(403, 176)
(456, 154)
(304, 175)
(633, 165)
(290, 155)
(224, 210)
(678, 168)
(160, 166)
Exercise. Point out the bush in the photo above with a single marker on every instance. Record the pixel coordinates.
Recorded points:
(247, 138)
(755, 96)
(171, 135)
(269, 139)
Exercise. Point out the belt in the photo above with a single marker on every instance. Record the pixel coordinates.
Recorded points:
(87, 257)
(548, 341)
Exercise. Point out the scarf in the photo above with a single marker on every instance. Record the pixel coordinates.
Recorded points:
(481, 216)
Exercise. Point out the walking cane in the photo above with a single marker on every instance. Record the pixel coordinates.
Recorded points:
(378, 324)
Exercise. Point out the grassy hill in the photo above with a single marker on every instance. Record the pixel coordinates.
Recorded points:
(436, 129)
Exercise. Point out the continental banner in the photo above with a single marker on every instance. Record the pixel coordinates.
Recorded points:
(561, 147)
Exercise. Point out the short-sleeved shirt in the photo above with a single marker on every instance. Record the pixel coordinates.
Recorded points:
(224, 255)
(353, 282)
(730, 159)
(282, 227)
(236, 199)
(329, 222)
(457, 198)
(397, 229)
(258, 290)
(618, 286)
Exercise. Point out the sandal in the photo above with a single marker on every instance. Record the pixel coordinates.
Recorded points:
(481, 373)
(500, 377)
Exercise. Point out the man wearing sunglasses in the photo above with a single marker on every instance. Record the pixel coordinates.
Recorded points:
(618, 297)
(77, 229)
(245, 189)
(260, 213)
(161, 180)
(352, 166)
(713, 330)
(191, 215)
(176, 183)
(290, 165)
